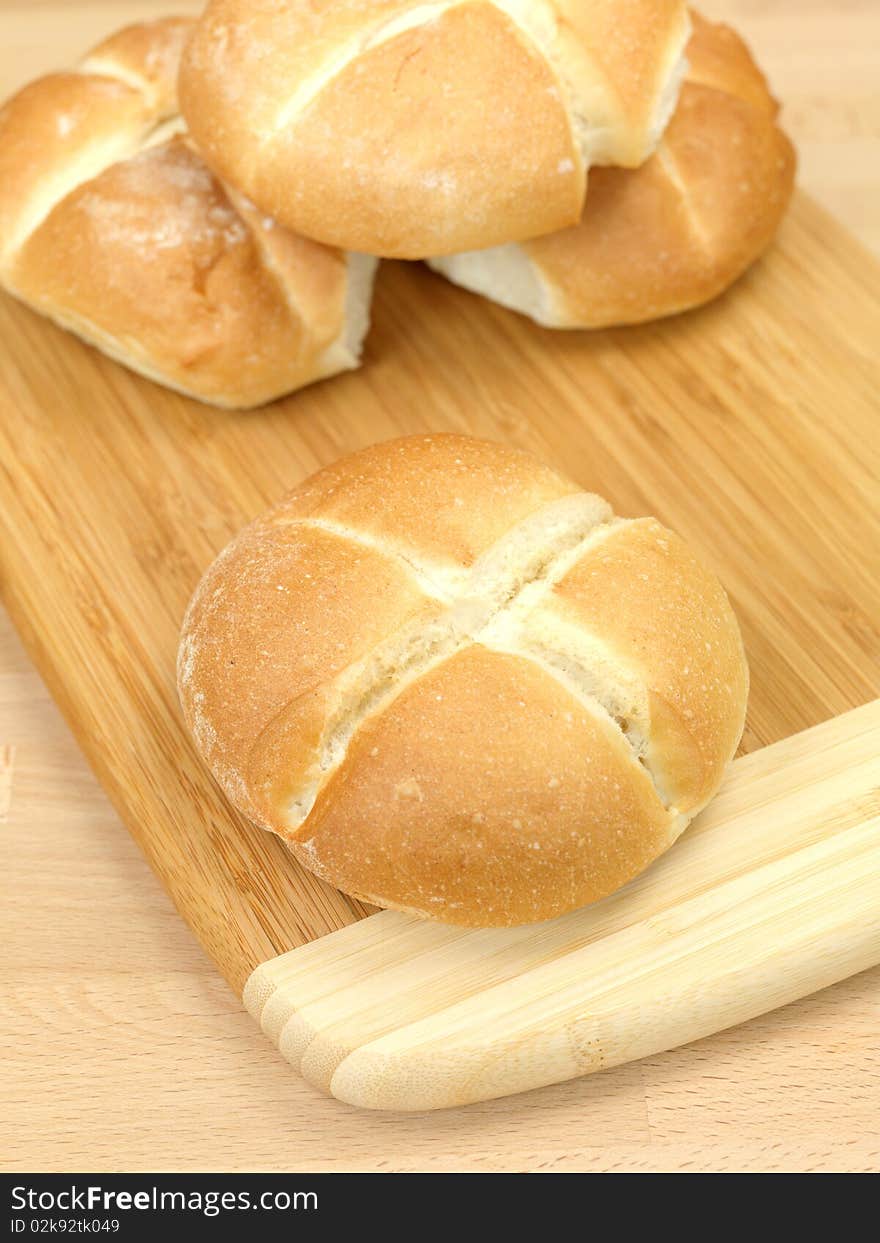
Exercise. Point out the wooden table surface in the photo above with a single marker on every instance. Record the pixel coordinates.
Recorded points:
(184, 1081)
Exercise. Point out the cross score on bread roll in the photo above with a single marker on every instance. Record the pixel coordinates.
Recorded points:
(457, 685)
(112, 225)
(669, 235)
(409, 129)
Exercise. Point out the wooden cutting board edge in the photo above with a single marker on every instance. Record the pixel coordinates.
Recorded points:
(771, 894)
(241, 934)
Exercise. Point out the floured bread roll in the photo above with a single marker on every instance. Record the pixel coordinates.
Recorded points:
(408, 129)
(671, 234)
(112, 225)
(457, 685)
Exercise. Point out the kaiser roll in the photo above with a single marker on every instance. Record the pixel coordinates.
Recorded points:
(409, 129)
(456, 684)
(112, 225)
(671, 234)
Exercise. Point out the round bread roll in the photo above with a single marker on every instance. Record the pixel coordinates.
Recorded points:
(671, 234)
(112, 225)
(408, 129)
(457, 685)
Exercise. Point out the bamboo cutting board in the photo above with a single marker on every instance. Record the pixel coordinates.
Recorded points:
(750, 427)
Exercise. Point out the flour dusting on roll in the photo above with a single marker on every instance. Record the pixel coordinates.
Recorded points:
(457, 685)
(112, 225)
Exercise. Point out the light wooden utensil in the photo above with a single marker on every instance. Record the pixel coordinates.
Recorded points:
(750, 427)
(772, 893)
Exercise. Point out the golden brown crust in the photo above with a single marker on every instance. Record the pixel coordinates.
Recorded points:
(475, 495)
(306, 604)
(677, 231)
(148, 55)
(496, 708)
(678, 640)
(125, 237)
(60, 123)
(610, 34)
(425, 183)
(407, 129)
(486, 794)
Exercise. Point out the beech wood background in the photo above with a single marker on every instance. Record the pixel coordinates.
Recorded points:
(126, 1050)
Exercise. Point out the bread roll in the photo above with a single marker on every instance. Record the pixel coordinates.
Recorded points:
(671, 234)
(112, 225)
(409, 129)
(455, 684)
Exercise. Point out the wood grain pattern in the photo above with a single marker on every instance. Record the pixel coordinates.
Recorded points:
(772, 893)
(126, 993)
(717, 421)
(7, 767)
(122, 1047)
